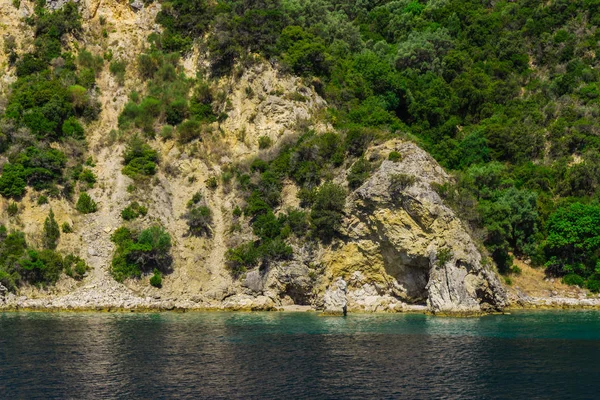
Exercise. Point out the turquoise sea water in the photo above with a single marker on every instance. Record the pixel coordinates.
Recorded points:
(525, 355)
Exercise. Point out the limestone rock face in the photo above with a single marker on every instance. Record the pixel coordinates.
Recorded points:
(334, 301)
(402, 242)
(267, 104)
(254, 281)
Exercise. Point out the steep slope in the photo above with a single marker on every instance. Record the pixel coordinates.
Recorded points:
(398, 248)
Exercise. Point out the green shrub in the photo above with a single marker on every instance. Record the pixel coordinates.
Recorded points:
(259, 165)
(118, 69)
(226, 177)
(85, 204)
(189, 130)
(166, 132)
(88, 60)
(266, 226)
(359, 173)
(264, 142)
(140, 252)
(66, 228)
(130, 113)
(87, 78)
(357, 140)
(399, 182)
(196, 198)
(242, 258)
(133, 211)
(573, 237)
(13, 181)
(75, 267)
(182, 22)
(307, 197)
(199, 221)
(298, 222)
(176, 111)
(139, 159)
(593, 285)
(41, 267)
(42, 200)
(212, 182)
(88, 177)
(394, 156)
(573, 280)
(72, 128)
(51, 232)
(201, 103)
(12, 209)
(156, 279)
(327, 211)
(444, 256)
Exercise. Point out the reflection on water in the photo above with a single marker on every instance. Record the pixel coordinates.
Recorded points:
(279, 355)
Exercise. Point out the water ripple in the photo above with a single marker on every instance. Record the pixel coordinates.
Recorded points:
(284, 355)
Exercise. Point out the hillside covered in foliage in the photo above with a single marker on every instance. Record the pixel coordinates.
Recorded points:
(504, 94)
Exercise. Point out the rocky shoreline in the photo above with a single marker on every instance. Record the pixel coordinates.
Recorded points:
(13, 303)
(106, 295)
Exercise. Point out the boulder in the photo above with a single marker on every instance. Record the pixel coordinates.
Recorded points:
(136, 5)
(254, 281)
(335, 301)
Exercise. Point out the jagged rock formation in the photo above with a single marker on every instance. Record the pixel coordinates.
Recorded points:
(402, 243)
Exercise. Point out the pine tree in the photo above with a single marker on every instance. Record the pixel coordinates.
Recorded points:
(51, 232)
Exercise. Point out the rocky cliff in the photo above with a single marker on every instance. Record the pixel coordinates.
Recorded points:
(399, 247)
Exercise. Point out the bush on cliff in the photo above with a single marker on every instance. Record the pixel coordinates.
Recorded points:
(85, 204)
(51, 232)
(20, 263)
(140, 252)
(140, 159)
(327, 211)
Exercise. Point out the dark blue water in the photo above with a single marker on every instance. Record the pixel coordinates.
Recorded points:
(533, 355)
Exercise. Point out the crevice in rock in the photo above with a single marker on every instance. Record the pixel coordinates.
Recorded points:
(410, 272)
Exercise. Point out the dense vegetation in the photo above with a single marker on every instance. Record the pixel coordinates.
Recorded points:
(20, 263)
(505, 94)
(308, 163)
(53, 95)
(141, 252)
(42, 140)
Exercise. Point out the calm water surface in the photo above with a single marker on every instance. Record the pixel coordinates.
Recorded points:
(287, 356)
